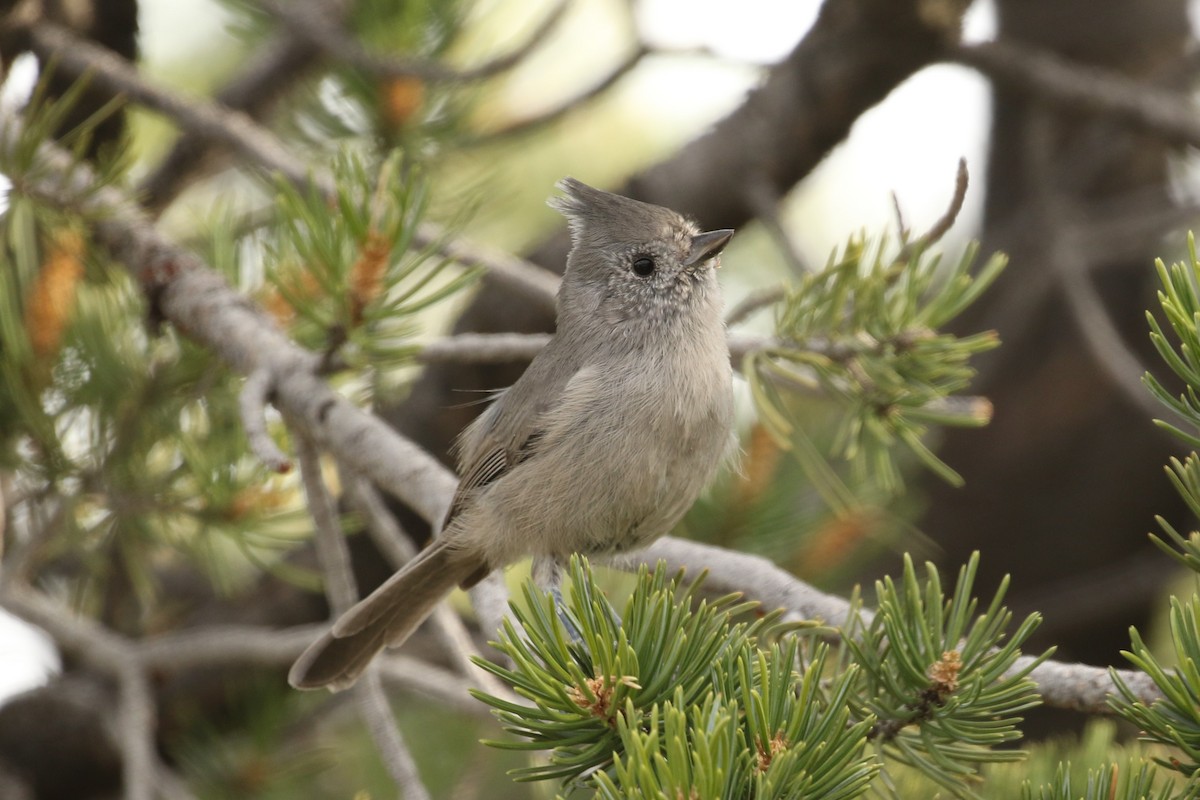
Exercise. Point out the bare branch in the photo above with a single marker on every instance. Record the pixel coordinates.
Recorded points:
(1105, 343)
(489, 598)
(447, 688)
(550, 116)
(340, 588)
(534, 282)
(377, 714)
(271, 71)
(945, 222)
(252, 404)
(1057, 215)
(137, 722)
(483, 348)
(754, 302)
(1086, 88)
(219, 645)
(310, 23)
(1075, 686)
(497, 348)
(765, 201)
(342, 593)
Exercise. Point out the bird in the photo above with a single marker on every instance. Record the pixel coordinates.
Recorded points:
(600, 447)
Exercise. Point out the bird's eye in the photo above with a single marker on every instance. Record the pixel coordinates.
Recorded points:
(643, 265)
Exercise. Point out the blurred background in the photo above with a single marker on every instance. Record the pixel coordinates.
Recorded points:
(801, 124)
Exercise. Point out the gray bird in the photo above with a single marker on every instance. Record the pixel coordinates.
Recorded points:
(603, 443)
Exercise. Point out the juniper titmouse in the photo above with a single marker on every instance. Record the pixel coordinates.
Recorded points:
(604, 442)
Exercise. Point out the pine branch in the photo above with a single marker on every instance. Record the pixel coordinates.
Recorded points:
(263, 150)
(1079, 687)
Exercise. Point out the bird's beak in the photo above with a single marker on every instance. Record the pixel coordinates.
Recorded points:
(707, 245)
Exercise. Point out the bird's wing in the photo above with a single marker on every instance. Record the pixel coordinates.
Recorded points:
(507, 434)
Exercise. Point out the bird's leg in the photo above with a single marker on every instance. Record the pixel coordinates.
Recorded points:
(547, 573)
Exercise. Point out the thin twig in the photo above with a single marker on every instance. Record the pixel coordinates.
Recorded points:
(1057, 218)
(526, 125)
(385, 531)
(535, 282)
(490, 600)
(310, 24)
(944, 223)
(448, 689)
(137, 722)
(252, 405)
(342, 593)
(962, 180)
(332, 553)
(483, 348)
(1100, 335)
(754, 302)
(381, 724)
(1084, 87)
(901, 225)
(263, 149)
(21, 556)
(218, 645)
(765, 202)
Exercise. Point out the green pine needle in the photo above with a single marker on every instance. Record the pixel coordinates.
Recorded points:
(864, 333)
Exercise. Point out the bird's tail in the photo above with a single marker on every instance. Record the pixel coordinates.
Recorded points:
(385, 618)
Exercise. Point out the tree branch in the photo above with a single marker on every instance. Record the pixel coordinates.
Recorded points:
(264, 150)
(526, 125)
(272, 70)
(310, 24)
(1079, 687)
(1159, 111)
(115, 656)
(342, 593)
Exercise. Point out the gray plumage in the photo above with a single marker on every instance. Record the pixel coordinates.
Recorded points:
(603, 443)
